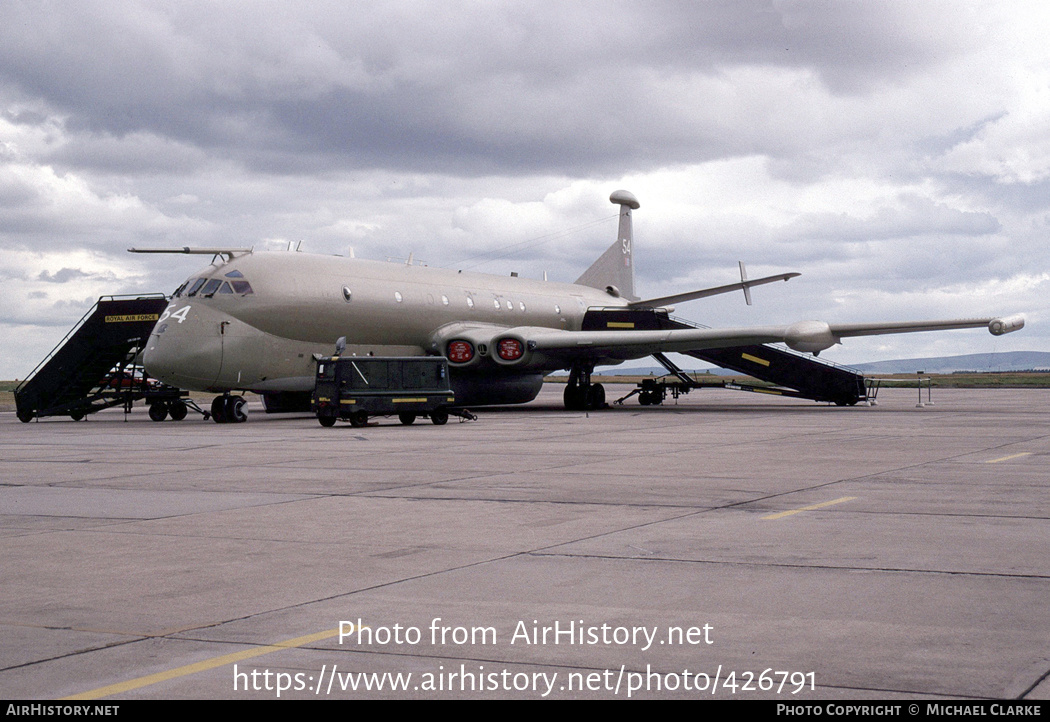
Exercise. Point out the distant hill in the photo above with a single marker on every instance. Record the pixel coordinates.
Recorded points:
(1006, 361)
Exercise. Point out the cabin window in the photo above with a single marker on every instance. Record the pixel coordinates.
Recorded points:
(470, 302)
(522, 306)
(495, 303)
(347, 294)
(557, 309)
(444, 300)
(398, 297)
(510, 306)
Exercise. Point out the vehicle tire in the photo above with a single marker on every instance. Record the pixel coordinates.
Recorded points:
(158, 411)
(235, 413)
(359, 419)
(218, 410)
(406, 418)
(439, 417)
(178, 410)
(326, 420)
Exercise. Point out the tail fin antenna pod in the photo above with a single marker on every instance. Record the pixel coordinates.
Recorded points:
(613, 272)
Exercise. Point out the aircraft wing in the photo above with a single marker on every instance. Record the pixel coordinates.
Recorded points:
(526, 344)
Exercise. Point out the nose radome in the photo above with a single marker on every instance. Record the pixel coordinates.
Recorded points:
(186, 353)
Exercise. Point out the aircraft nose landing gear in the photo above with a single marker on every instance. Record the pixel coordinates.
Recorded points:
(229, 410)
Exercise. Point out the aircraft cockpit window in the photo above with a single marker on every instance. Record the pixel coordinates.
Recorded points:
(196, 286)
(235, 274)
(225, 287)
(179, 290)
(211, 287)
(242, 287)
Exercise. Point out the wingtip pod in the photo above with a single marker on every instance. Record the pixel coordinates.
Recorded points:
(1006, 324)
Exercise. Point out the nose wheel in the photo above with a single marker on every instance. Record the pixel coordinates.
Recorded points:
(229, 410)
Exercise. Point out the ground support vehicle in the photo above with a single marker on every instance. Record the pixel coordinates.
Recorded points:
(354, 388)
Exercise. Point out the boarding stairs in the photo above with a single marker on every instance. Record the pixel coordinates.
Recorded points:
(94, 366)
(785, 372)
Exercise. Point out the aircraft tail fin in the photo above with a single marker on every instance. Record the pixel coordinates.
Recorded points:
(613, 272)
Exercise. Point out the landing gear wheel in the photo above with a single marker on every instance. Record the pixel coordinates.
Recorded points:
(177, 410)
(326, 420)
(25, 416)
(439, 417)
(158, 411)
(235, 413)
(596, 396)
(77, 415)
(218, 409)
(359, 419)
(573, 398)
(407, 419)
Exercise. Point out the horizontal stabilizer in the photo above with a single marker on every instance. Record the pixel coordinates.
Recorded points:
(705, 292)
(230, 253)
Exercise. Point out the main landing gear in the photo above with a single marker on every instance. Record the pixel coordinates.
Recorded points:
(229, 410)
(580, 393)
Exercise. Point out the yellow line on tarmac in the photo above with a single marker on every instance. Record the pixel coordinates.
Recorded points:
(202, 666)
(821, 505)
(1007, 458)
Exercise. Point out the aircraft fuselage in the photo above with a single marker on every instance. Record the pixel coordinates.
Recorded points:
(215, 338)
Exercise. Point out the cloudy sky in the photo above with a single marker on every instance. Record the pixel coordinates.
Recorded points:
(896, 153)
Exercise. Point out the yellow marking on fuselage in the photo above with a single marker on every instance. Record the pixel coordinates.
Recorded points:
(1007, 458)
(754, 359)
(619, 324)
(202, 666)
(821, 505)
(410, 401)
(768, 391)
(347, 401)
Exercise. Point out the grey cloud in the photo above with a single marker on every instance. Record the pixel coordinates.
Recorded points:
(62, 276)
(405, 86)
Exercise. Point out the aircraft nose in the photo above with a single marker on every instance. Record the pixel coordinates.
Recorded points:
(184, 352)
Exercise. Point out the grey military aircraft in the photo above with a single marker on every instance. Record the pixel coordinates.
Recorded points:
(253, 321)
